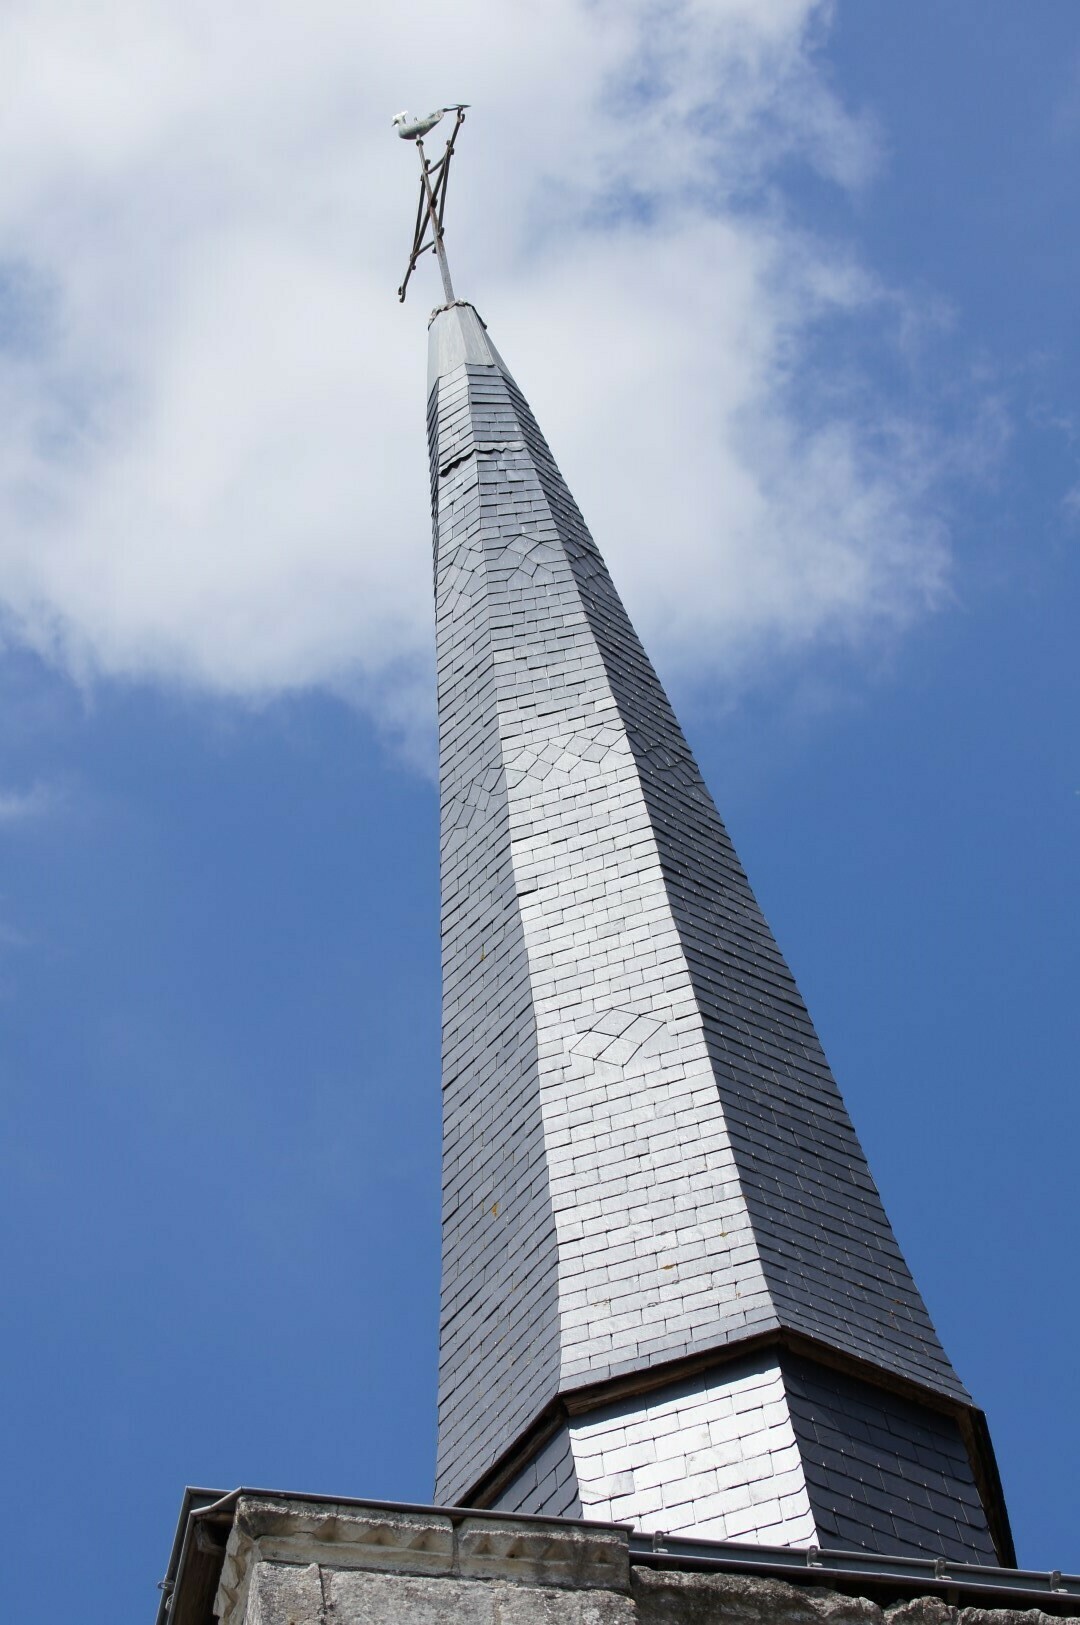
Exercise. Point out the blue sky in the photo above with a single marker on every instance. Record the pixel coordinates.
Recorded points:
(836, 320)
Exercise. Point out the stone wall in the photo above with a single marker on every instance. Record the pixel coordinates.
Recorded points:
(661, 1597)
(295, 1562)
(290, 1564)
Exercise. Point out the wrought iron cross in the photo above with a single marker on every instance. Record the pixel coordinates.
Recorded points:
(433, 178)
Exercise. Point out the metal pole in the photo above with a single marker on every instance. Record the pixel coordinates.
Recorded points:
(436, 228)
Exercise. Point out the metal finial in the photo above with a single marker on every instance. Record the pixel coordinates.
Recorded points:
(433, 177)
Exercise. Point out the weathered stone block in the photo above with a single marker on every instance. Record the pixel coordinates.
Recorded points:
(284, 1594)
(547, 1554)
(389, 1599)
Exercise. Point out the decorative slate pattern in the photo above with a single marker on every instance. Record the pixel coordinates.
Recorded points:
(884, 1475)
(646, 1153)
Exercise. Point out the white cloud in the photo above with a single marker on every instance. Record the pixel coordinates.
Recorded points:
(213, 469)
(24, 806)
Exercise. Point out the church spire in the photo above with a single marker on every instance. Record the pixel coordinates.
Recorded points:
(671, 1295)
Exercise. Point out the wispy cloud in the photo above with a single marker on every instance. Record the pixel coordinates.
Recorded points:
(26, 806)
(213, 465)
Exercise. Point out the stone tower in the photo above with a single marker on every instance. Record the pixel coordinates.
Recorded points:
(671, 1296)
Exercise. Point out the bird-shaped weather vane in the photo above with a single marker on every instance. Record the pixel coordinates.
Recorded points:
(433, 177)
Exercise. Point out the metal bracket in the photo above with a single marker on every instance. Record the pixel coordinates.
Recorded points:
(430, 210)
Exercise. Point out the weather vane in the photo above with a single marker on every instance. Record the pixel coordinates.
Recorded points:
(433, 176)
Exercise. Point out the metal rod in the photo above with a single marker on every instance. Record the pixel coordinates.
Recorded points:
(430, 211)
(436, 226)
(444, 166)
